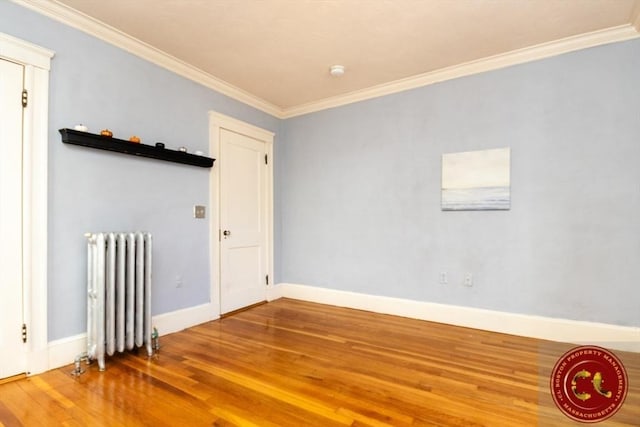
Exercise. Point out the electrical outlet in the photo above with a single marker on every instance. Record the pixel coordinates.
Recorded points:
(468, 279)
(443, 278)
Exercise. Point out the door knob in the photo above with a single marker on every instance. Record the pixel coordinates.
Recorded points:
(226, 233)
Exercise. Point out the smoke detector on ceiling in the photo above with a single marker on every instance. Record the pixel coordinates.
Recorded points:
(336, 70)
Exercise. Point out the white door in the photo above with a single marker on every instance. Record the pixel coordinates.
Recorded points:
(243, 221)
(12, 355)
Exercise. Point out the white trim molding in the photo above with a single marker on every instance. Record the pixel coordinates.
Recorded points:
(519, 56)
(635, 17)
(24, 52)
(76, 19)
(63, 352)
(179, 320)
(217, 122)
(36, 61)
(616, 337)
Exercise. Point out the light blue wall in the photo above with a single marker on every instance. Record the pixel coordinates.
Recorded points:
(357, 188)
(101, 86)
(360, 191)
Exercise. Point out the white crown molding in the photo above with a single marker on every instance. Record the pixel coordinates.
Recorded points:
(635, 16)
(76, 19)
(520, 56)
(89, 25)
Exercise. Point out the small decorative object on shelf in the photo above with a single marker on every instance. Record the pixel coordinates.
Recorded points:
(108, 143)
(106, 132)
(81, 128)
(135, 139)
(182, 149)
(160, 144)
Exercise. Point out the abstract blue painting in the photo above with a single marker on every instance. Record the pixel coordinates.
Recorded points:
(476, 180)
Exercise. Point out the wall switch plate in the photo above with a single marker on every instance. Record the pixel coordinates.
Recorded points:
(199, 211)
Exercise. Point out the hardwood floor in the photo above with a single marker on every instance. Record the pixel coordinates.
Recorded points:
(292, 363)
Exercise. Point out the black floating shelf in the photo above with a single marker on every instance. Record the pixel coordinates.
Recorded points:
(86, 139)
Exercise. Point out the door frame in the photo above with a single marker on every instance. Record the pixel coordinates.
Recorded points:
(217, 122)
(37, 63)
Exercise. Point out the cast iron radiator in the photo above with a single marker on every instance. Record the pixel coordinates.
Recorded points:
(119, 294)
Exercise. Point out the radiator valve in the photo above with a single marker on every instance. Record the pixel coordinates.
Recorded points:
(155, 340)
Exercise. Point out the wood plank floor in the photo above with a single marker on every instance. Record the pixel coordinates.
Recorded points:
(293, 363)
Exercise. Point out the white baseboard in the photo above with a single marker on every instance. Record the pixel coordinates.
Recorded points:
(274, 292)
(615, 337)
(38, 361)
(178, 320)
(64, 351)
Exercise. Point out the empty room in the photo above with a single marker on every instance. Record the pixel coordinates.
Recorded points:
(319, 212)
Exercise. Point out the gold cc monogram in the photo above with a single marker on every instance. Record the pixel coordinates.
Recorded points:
(597, 385)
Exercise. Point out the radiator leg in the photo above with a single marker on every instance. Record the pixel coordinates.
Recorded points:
(77, 364)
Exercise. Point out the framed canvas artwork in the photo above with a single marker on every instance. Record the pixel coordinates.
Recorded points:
(476, 180)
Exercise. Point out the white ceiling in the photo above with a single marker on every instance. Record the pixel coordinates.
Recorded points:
(279, 51)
